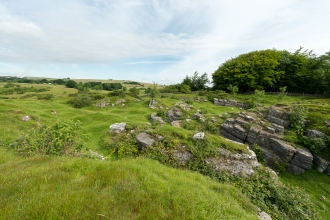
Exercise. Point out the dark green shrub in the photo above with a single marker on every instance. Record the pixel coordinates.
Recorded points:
(63, 138)
(45, 96)
(298, 115)
(81, 100)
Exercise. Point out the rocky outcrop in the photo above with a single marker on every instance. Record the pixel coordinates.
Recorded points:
(103, 104)
(247, 128)
(117, 127)
(315, 134)
(199, 116)
(237, 164)
(144, 140)
(229, 102)
(156, 118)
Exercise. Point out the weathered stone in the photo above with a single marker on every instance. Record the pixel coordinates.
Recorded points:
(327, 171)
(303, 159)
(174, 114)
(294, 169)
(252, 135)
(321, 164)
(241, 122)
(264, 216)
(263, 140)
(156, 118)
(26, 118)
(235, 164)
(229, 136)
(176, 124)
(249, 118)
(144, 140)
(279, 113)
(315, 134)
(239, 132)
(117, 127)
(279, 129)
(278, 121)
(182, 156)
(199, 136)
(283, 150)
(199, 116)
(270, 130)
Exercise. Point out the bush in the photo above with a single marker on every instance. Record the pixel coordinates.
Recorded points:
(81, 100)
(298, 115)
(45, 96)
(63, 138)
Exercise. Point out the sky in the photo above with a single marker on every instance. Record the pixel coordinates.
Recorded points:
(159, 41)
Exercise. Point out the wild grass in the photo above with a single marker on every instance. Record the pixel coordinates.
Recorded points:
(316, 185)
(77, 188)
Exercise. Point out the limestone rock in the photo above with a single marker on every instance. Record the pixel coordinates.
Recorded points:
(279, 129)
(176, 124)
(199, 116)
(156, 118)
(144, 140)
(283, 150)
(315, 134)
(199, 136)
(264, 216)
(321, 164)
(117, 127)
(26, 118)
(174, 114)
(295, 169)
(239, 164)
(182, 156)
(303, 159)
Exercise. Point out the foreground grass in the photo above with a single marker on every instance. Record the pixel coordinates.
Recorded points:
(76, 188)
(317, 185)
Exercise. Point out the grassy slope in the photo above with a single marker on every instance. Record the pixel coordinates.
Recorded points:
(316, 185)
(75, 188)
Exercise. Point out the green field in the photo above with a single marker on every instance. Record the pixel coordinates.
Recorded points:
(48, 187)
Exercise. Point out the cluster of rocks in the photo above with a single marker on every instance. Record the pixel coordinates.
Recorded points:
(229, 102)
(155, 118)
(103, 104)
(198, 115)
(174, 116)
(249, 129)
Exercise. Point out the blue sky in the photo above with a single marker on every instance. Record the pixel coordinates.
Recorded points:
(149, 40)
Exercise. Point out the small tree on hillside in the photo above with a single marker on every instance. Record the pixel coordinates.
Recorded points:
(154, 91)
(282, 94)
(233, 89)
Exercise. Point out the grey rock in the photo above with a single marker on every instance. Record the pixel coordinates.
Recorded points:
(270, 130)
(199, 136)
(321, 164)
(229, 136)
(26, 118)
(278, 121)
(327, 171)
(264, 216)
(239, 132)
(182, 156)
(303, 159)
(156, 118)
(117, 127)
(253, 134)
(315, 134)
(144, 140)
(295, 169)
(236, 164)
(263, 140)
(279, 129)
(176, 124)
(199, 116)
(283, 150)
(279, 113)
(249, 118)
(174, 114)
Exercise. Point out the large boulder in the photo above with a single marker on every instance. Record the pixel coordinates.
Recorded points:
(303, 159)
(117, 127)
(283, 150)
(144, 140)
(321, 164)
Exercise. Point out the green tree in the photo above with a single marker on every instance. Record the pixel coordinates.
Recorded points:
(70, 83)
(154, 91)
(185, 89)
(250, 71)
(282, 94)
(196, 82)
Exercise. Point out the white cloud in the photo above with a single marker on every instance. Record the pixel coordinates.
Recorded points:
(205, 33)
